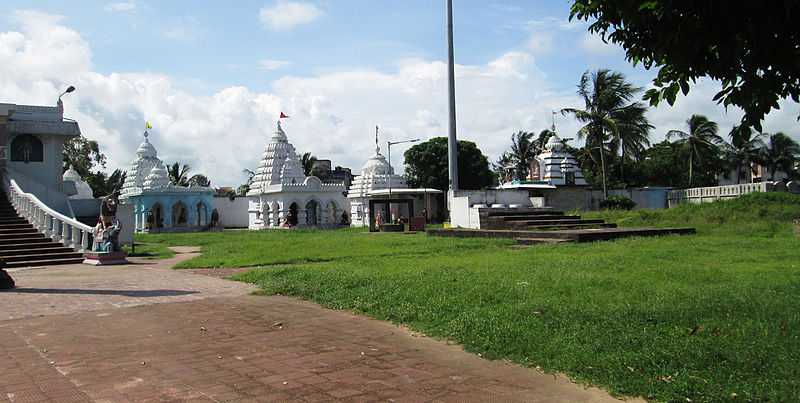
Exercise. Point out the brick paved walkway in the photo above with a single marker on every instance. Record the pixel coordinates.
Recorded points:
(215, 343)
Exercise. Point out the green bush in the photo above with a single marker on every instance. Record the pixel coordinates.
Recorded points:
(617, 202)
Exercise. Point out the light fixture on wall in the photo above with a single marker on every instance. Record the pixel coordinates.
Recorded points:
(67, 91)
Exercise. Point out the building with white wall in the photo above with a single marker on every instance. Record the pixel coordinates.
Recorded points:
(282, 195)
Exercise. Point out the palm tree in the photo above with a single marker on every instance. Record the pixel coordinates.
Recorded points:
(633, 134)
(541, 140)
(744, 149)
(780, 154)
(701, 140)
(522, 152)
(179, 175)
(307, 161)
(610, 114)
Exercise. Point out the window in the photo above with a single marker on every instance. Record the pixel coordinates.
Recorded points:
(27, 148)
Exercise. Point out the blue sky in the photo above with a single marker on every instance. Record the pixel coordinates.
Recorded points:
(212, 76)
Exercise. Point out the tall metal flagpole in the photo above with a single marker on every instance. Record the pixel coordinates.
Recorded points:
(452, 143)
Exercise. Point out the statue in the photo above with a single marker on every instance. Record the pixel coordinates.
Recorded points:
(345, 219)
(106, 249)
(106, 237)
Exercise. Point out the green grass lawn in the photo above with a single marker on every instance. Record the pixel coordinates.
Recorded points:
(702, 317)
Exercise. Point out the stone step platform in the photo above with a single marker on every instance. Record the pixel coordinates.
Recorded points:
(525, 217)
(42, 257)
(18, 233)
(24, 238)
(509, 224)
(44, 262)
(526, 211)
(23, 249)
(17, 225)
(542, 241)
(575, 235)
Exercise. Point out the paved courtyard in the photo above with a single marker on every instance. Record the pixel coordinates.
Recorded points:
(143, 332)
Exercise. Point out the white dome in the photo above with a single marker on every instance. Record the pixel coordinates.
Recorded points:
(377, 165)
(146, 150)
(157, 178)
(279, 164)
(554, 144)
(84, 191)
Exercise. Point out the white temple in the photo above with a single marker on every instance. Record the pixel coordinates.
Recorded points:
(379, 188)
(281, 195)
(159, 205)
(558, 167)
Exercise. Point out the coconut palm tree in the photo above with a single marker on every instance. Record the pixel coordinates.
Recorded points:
(179, 175)
(780, 153)
(522, 152)
(307, 161)
(702, 140)
(612, 120)
(744, 149)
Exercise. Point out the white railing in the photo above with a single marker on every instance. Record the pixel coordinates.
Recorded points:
(51, 223)
(710, 194)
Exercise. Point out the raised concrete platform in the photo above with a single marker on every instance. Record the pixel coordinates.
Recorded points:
(573, 235)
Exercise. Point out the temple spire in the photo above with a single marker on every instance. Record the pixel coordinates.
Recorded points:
(553, 128)
(377, 147)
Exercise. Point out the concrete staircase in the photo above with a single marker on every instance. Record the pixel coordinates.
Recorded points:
(21, 245)
(532, 226)
(537, 219)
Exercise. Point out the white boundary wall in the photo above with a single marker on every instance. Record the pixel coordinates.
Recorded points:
(232, 213)
(710, 194)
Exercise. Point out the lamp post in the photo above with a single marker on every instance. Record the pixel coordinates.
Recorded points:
(61, 104)
(389, 148)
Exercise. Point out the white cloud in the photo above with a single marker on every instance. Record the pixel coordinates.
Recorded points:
(540, 43)
(285, 15)
(333, 115)
(270, 64)
(121, 7)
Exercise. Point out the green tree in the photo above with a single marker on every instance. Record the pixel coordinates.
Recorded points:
(199, 180)
(612, 120)
(745, 149)
(780, 153)
(701, 141)
(179, 174)
(522, 151)
(103, 185)
(307, 162)
(750, 47)
(83, 155)
(426, 165)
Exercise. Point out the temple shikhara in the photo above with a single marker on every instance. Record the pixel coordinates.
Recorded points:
(281, 195)
(159, 205)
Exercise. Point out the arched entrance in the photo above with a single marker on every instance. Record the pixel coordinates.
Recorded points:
(202, 214)
(332, 210)
(312, 218)
(179, 215)
(155, 217)
(291, 218)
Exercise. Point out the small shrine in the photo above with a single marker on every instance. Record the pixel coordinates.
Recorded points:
(554, 167)
(282, 196)
(159, 205)
(379, 195)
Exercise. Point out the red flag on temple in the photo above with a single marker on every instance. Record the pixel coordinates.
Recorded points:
(284, 116)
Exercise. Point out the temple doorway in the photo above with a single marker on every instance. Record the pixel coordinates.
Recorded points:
(202, 215)
(155, 216)
(179, 215)
(311, 212)
(292, 217)
(332, 218)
